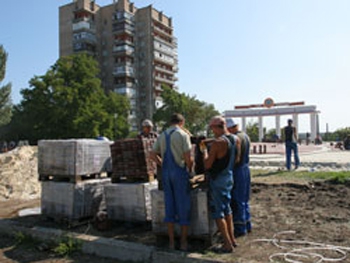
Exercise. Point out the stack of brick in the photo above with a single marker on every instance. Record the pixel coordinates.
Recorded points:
(69, 171)
(131, 159)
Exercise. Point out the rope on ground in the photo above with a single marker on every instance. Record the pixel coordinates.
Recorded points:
(308, 252)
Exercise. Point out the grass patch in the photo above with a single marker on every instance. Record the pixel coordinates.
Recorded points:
(67, 246)
(24, 240)
(340, 177)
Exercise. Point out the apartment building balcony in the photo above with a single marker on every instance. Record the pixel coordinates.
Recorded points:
(165, 80)
(87, 37)
(124, 63)
(83, 46)
(158, 88)
(160, 37)
(165, 60)
(124, 85)
(124, 71)
(84, 26)
(119, 42)
(127, 91)
(123, 16)
(166, 28)
(163, 70)
(122, 28)
(164, 48)
(124, 49)
(162, 32)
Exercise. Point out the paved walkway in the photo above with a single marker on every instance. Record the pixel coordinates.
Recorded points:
(311, 156)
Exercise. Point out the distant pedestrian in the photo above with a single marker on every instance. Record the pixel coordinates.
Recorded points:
(291, 139)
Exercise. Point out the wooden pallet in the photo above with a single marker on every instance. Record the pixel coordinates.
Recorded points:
(73, 178)
(126, 179)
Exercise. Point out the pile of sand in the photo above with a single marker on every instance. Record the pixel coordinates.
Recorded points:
(19, 174)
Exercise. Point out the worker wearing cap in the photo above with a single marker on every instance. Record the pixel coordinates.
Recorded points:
(147, 130)
(241, 178)
(219, 162)
(174, 146)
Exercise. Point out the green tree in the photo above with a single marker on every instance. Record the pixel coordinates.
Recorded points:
(5, 91)
(270, 135)
(69, 102)
(196, 113)
(252, 130)
(341, 133)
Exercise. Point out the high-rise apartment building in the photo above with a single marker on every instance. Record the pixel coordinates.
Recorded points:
(135, 48)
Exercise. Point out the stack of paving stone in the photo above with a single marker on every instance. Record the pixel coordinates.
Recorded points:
(71, 172)
(130, 160)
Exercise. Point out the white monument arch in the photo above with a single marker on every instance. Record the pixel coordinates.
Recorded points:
(270, 108)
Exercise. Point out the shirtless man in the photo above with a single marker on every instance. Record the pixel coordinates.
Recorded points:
(219, 163)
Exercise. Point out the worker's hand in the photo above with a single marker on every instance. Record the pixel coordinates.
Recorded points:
(203, 146)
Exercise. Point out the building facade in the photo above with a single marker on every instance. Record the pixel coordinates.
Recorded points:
(135, 47)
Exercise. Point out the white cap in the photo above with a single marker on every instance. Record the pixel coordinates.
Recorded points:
(230, 123)
(147, 123)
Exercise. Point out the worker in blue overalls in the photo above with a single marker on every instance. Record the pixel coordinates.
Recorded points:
(172, 151)
(241, 178)
(218, 162)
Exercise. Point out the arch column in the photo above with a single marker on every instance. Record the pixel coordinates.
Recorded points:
(313, 126)
(261, 129)
(278, 126)
(243, 128)
(296, 122)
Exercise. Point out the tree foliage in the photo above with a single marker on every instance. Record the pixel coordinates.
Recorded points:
(341, 134)
(5, 91)
(197, 113)
(252, 130)
(69, 102)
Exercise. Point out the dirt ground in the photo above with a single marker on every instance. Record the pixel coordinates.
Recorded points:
(318, 212)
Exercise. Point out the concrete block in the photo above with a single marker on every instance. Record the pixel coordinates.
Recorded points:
(73, 157)
(201, 222)
(121, 250)
(129, 201)
(73, 201)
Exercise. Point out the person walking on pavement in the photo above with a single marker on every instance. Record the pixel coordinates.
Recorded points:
(219, 163)
(174, 146)
(241, 186)
(291, 139)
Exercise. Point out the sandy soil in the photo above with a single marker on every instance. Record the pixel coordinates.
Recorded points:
(316, 211)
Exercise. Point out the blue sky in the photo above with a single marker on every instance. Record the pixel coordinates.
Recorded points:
(231, 52)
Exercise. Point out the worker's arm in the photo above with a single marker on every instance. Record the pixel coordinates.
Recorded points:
(188, 160)
(238, 150)
(155, 157)
(295, 134)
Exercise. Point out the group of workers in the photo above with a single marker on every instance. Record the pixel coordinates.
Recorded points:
(226, 163)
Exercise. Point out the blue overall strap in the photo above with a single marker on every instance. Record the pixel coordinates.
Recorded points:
(247, 147)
